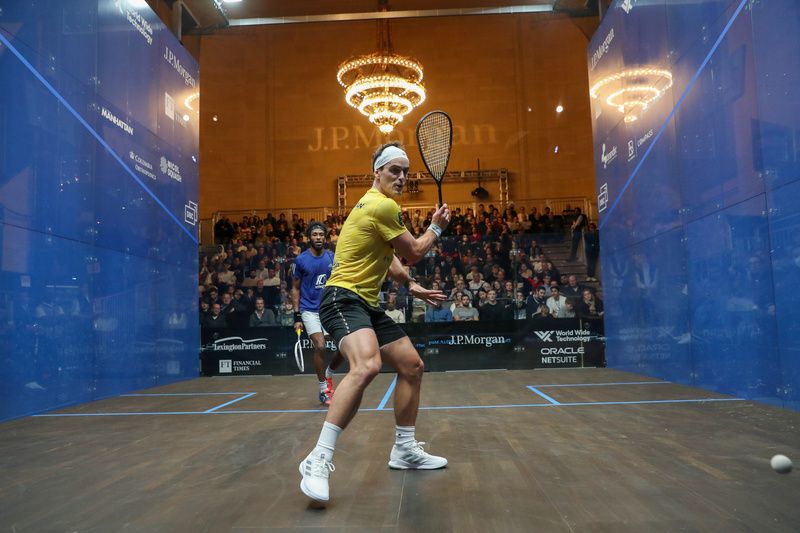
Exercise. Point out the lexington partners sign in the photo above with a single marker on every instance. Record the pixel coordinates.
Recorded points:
(518, 344)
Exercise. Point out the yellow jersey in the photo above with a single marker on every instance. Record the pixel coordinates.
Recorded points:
(363, 253)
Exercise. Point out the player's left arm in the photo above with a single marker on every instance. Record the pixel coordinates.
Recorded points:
(398, 273)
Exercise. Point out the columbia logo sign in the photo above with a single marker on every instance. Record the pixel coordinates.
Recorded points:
(225, 366)
(546, 336)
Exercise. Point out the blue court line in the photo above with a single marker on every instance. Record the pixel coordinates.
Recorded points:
(94, 134)
(605, 384)
(186, 394)
(246, 396)
(578, 404)
(430, 408)
(543, 395)
(688, 88)
(388, 393)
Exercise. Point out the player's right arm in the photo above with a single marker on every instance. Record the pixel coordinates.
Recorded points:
(298, 324)
(415, 249)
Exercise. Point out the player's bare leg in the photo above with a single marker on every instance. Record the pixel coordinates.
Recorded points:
(364, 358)
(407, 453)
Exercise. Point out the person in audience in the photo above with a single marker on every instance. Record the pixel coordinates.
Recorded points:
(590, 306)
(464, 311)
(518, 307)
(493, 310)
(437, 313)
(204, 310)
(537, 299)
(557, 303)
(591, 241)
(286, 313)
(251, 280)
(577, 228)
(541, 312)
(569, 307)
(572, 289)
(398, 315)
(214, 319)
(262, 317)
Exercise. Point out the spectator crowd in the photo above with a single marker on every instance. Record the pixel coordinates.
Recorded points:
(493, 265)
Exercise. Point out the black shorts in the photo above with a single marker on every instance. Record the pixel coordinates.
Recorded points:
(342, 312)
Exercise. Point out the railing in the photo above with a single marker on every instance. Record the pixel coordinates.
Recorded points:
(556, 205)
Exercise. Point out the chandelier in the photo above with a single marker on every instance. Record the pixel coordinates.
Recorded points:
(632, 91)
(382, 85)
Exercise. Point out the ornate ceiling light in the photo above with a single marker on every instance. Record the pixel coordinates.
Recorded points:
(382, 85)
(632, 91)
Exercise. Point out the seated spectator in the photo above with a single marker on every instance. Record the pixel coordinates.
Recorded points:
(541, 312)
(286, 313)
(537, 299)
(205, 308)
(557, 303)
(251, 280)
(437, 313)
(262, 317)
(493, 310)
(572, 289)
(475, 279)
(214, 319)
(480, 299)
(464, 311)
(569, 307)
(460, 288)
(392, 311)
(590, 306)
(230, 310)
(518, 307)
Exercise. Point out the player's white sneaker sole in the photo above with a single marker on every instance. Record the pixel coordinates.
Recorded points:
(315, 472)
(413, 457)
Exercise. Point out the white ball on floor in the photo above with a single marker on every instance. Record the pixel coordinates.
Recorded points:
(781, 464)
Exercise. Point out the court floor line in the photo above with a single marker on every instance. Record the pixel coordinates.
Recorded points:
(185, 394)
(388, 394)
(657, 136)
(422, 408)
(94, 134)
(246, 396)
(543, 395)
(605, 384)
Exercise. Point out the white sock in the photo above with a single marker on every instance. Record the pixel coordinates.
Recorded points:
(328, 372)
(403, 435)
(327, 440)
(323, 386)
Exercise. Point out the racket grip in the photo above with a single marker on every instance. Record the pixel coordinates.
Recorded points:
(440, 196)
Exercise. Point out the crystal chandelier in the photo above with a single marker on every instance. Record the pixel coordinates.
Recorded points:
(382, 85)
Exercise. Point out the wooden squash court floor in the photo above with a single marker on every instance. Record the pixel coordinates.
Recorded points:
(554, 450)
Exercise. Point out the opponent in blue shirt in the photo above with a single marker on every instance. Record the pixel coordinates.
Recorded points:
(312, 269)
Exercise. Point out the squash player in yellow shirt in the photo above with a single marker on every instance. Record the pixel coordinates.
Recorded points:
(365, 255)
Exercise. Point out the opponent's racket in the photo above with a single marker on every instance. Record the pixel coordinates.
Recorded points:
(435, 140)
(298, 352)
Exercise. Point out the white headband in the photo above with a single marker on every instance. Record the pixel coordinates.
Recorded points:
(389, 153)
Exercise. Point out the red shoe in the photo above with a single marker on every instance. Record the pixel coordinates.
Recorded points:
(329, 390)
(325, 398)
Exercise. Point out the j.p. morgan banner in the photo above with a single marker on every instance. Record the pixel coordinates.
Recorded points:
(545, 343)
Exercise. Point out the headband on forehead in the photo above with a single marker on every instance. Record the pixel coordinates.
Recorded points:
(389, 153)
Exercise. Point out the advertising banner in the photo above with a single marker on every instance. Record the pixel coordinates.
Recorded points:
(546, 343)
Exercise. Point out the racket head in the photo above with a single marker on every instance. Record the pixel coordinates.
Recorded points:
(298, 353)
(435, 142)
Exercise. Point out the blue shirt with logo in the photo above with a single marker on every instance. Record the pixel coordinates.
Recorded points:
(313, 272)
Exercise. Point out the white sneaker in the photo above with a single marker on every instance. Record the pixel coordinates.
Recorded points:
(315, 471)
(413, 457)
